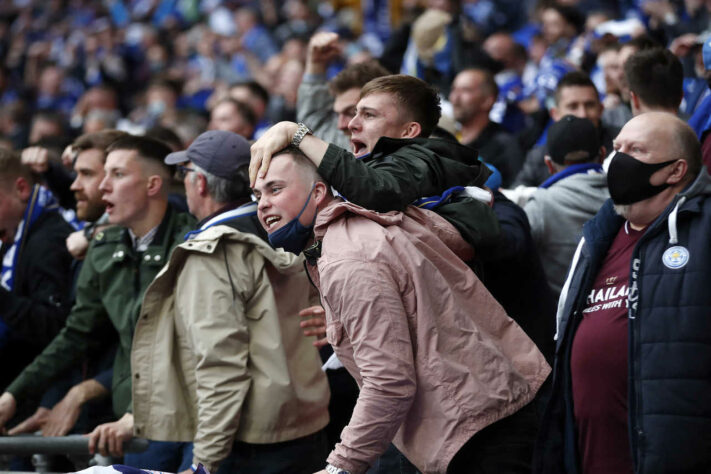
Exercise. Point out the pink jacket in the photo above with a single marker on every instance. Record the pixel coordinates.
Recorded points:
(436, 357)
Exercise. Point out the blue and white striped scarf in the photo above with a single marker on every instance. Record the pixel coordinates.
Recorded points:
(41, 200)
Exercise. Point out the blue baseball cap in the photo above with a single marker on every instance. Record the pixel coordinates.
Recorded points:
(218, 152)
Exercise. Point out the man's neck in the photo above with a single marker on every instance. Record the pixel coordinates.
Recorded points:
(153, 217)
(473, 128)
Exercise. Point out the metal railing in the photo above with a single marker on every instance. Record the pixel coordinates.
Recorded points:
(75, 447)
(26, 445)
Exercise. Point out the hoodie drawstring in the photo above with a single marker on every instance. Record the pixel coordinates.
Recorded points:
(673, 235)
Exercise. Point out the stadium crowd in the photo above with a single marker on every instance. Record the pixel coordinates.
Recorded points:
(437, 236)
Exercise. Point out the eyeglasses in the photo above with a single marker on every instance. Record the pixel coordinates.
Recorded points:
(182, 171)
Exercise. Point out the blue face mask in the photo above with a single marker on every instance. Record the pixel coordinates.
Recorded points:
(293, 236)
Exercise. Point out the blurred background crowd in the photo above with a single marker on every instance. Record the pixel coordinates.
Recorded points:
(76, 66)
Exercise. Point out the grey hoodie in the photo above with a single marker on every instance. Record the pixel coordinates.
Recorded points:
(557, 215)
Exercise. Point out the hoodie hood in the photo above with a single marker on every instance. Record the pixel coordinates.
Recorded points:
(445, 231)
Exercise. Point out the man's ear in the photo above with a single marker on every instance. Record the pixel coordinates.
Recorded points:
(412, 130)
(201, 184)
(549, 164)
(154, 185)
(680, 169)
(320, 192)
(555, 114)
(23, 189)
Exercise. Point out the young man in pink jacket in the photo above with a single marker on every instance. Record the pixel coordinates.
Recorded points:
(441, 367)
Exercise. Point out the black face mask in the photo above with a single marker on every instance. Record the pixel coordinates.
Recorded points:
(628, 179)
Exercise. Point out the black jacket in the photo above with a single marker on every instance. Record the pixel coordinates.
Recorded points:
(399, 171)
(669, 342)
(37, 307)
(501, 149)
(513, 273)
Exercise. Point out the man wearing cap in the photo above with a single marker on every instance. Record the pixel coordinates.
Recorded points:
(219, 351)
(571, 196)
(632, 374)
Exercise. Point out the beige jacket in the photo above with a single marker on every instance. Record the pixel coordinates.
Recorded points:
(212, 366)
(436, 357)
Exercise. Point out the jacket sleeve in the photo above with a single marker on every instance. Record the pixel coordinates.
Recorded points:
(366, 300)
(219, 339)
(86, 327)
(314, 107)
(392, 184)
(535, 213)
(37, 309)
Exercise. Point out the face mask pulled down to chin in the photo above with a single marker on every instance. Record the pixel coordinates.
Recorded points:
(293, 236)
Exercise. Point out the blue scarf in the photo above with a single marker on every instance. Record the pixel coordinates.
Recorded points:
(433, 202)
(249, 209)
(570, 171)
(41, 200)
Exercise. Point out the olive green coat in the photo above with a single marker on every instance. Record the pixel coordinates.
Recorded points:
(110, 289)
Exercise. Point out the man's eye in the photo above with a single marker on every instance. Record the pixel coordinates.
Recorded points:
(275, 190)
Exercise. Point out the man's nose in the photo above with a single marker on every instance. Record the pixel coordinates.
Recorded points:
(104, 185)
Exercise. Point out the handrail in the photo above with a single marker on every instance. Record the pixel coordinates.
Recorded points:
(25, 445)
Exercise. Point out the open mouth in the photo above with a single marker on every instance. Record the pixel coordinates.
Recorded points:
(270, 221)
(109, 206)
(359, 148)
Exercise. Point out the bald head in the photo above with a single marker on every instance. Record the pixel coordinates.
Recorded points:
(656, 137)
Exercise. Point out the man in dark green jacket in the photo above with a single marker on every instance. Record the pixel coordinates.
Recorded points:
(119, 265)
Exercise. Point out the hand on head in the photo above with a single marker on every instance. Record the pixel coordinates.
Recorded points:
(276, 138)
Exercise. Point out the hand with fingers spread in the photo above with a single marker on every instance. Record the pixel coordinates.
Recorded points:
(108, 438)
(33, 423)
(276, 138)
(314, 324)
(8, 406)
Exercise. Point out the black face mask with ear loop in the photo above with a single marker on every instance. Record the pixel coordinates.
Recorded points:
(628, 179)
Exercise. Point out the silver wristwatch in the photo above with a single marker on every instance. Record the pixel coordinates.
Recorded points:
(301, 132)
(330, 469)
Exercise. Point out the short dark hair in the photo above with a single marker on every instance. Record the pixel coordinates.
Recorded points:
(656, 77)
(97, 140)
(642, 42)
(574, 79)
(489, 83)
(571, 15)
(356, 75)
(147, 148)
(418, 99)
(254, 88)
(165, 135)
(243, 109)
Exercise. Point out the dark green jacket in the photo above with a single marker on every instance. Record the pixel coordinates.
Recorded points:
(108, 300)
(399, 171)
